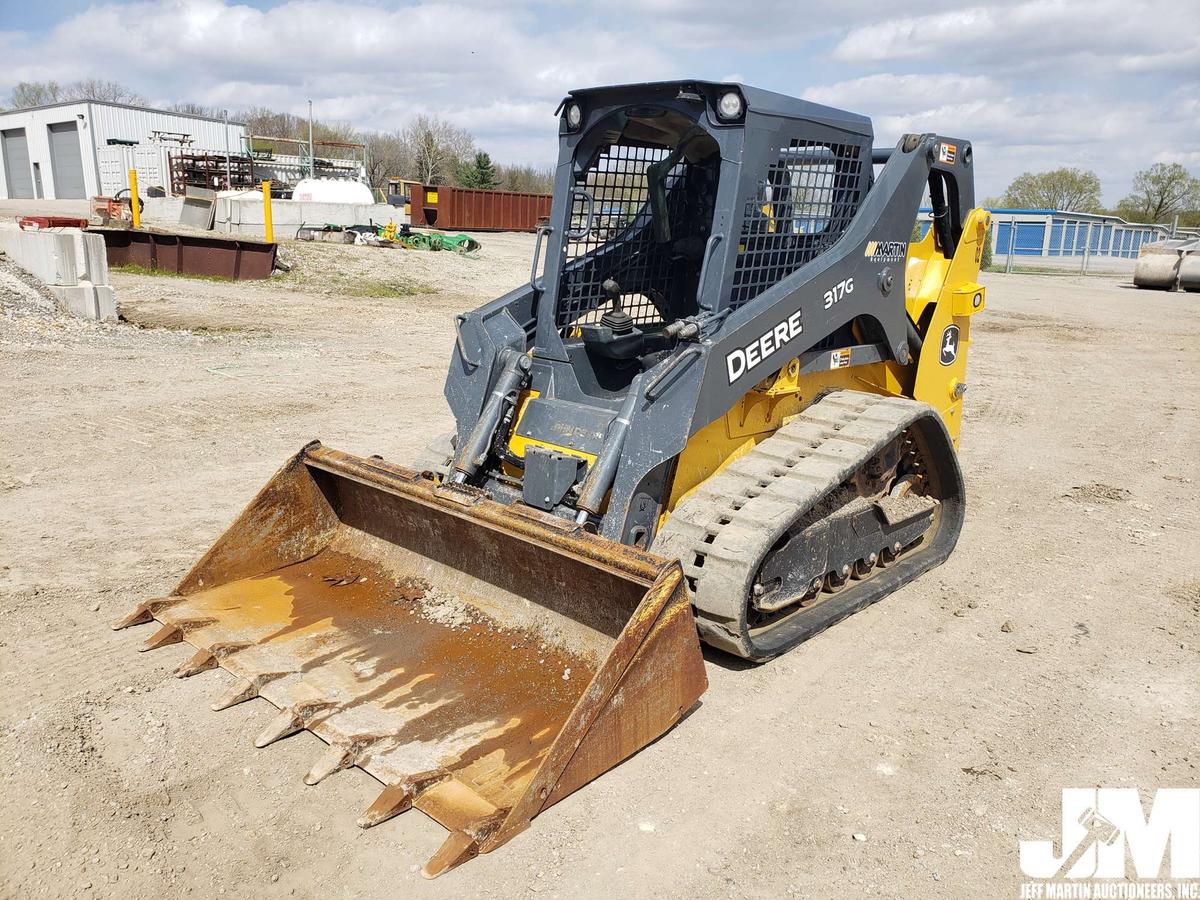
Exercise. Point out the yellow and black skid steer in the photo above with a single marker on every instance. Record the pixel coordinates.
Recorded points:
(725, 407)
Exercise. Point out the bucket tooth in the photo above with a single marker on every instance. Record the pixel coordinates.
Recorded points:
(334, 759)
(392, 800)
(202, 661)
(168, 634)
(242, 690)
(399, 797)
(288, 722)
(139, 615)
(292, 719)
(144, 612)
(458, 848)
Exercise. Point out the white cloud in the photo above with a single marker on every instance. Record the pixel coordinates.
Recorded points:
(1014, 132)
(1109, 84)
(905, 91)
(747, 26)
(1159, 35)
(481, 66)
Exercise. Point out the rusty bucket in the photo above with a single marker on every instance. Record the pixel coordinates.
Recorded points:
(482, 661)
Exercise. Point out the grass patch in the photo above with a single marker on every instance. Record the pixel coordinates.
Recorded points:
(357, 285)
(386, 288)
(133, 269)
(352, 285)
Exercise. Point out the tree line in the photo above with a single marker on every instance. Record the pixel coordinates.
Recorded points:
(1158, 195)
(426, 149)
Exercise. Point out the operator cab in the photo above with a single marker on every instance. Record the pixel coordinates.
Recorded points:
(644, 187)
(676, 204)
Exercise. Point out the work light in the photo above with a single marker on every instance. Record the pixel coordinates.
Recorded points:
(574, 116)
(729, 107)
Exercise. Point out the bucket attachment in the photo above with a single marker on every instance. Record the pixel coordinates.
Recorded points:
(482, 661)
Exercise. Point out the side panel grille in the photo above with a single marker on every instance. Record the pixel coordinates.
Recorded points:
(806, 199)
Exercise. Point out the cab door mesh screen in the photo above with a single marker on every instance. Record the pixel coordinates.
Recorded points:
(613, 199)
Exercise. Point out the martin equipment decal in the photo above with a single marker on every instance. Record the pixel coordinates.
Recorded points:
(738, 362)
(947, 153)
(949, 345)
(886, 251)
(839, 359)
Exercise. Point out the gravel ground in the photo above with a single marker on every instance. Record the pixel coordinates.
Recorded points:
(903, 753)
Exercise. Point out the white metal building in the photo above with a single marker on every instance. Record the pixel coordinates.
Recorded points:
(85, 148)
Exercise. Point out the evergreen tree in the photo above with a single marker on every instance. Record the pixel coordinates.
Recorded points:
(481, 173)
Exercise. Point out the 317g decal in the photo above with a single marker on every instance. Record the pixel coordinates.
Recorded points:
(838, 291)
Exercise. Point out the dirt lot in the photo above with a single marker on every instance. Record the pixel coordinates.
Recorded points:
(924, 727)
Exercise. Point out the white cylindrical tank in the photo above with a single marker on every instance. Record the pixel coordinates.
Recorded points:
(1189, 271)
(1165, 264)
(332, 190)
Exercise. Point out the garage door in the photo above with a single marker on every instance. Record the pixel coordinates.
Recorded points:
(66, 162)
(18, 178)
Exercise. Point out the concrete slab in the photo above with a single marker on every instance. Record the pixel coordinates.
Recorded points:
(197, 209)
(162, 209)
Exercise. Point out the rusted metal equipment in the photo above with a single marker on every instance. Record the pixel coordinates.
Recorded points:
(214, 171)
(469, 209)
(237, 258)
(482, 662)
(41, 223)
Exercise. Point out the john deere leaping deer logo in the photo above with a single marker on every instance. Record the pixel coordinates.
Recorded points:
(949, 345)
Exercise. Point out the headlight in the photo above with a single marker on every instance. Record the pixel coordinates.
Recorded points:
(574, 116)
(730, 105)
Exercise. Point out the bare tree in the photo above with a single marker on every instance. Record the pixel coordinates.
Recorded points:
(388, 156)
(195, 109)
(526, 179)
(438, 148)
(34, 93)
(99, 89)
(39, 93)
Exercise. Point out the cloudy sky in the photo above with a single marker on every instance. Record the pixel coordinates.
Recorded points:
(1109, 85)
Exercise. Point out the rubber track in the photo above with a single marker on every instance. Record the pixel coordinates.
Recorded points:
(723, 530)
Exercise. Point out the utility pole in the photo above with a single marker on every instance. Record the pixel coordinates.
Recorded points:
(311, 159)
(1012, 244)
(228, 176)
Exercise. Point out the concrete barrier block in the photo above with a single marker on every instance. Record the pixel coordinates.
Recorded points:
(162, 209)
(244, 215)
(50, 255)
(91, 257)
(73, 265)
(87, 300)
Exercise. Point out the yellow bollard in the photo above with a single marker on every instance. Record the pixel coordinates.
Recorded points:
(268, 230)
(134, 206)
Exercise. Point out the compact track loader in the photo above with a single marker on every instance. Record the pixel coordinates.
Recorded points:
(725, 405)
